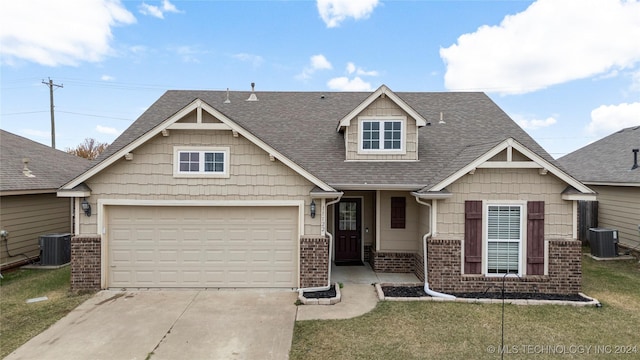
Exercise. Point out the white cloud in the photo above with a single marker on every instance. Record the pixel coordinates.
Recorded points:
(158, 11)
(317, 62)
(107, 130)
(607, 119)
(188, 54)
(352, 68)
(39, 31)
(533, 124)
(635, 81)
(333, 12)
(107, 78)
(551, 42)
(345, 84)
(255, 60)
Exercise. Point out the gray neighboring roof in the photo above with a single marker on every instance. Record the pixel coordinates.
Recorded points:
(608, 160)
(51, 168)
(302, 126)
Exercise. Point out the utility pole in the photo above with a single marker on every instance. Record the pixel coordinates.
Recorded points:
(50, 84)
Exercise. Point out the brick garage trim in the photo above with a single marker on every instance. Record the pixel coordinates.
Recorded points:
(314, 261)
(564, 275)
(85, 262)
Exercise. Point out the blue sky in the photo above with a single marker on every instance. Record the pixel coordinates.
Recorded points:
(568, 71)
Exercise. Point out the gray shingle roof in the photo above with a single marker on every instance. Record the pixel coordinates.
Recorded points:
(51, 168)
(302, 126)
(608, 160)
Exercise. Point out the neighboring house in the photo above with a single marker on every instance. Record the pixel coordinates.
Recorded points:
(610, 167)
(245, 189)
(30, 175)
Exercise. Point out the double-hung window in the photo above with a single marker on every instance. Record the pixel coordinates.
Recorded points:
(382, 134)
(504, 239)
(201, 162)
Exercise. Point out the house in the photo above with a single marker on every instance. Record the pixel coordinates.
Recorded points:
(30, 176)
(610, 167)
(267, 189)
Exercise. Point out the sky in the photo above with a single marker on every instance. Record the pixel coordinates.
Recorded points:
(567, 71)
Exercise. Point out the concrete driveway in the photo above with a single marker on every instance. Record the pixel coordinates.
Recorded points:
(166, 324)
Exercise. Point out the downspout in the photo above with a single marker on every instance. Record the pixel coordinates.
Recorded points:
(324, 288)
(427, 290)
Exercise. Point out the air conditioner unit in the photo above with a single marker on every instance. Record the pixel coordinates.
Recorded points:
(603, 242)
(55, 249)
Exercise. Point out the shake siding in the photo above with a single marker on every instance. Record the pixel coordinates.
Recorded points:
(521, 184)
(149, 176)
(619, 208)
(26, 217)
(382, 107)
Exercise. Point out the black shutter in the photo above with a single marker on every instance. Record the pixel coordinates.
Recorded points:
(398, 212)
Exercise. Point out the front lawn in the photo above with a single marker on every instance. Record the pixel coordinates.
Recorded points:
(20, 321)
(443, 330)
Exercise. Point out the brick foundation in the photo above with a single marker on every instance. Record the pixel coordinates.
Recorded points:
(85, 262)
(392, 262)
(564, 275)
(314, 261)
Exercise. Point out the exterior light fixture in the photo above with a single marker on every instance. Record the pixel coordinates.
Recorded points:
(86, 207)
(313, 209)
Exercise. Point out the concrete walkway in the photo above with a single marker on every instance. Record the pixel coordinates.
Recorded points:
(181, 324)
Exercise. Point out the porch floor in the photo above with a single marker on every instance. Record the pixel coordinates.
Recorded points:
(365, 275)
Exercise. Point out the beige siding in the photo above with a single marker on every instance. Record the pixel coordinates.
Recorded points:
(26, 217)
(406, 239)
(619, 208)
(149, 176)
(382, 107)
(507, 184)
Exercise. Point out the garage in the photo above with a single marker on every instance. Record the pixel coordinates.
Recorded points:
(202, 246)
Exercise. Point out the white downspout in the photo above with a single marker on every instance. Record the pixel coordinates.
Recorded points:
(424, 257)
(324, 288)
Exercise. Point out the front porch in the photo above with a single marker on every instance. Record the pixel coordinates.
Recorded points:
(364, 274)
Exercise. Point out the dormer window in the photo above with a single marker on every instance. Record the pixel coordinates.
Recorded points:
(382, 135)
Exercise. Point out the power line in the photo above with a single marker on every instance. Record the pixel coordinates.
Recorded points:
(51, 85)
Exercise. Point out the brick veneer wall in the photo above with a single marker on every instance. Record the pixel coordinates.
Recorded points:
(392, 262)
(85, 262)
(314, 261)
(564, 275)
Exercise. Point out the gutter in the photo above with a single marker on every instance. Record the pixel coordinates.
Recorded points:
(427, 290)
(324, 288)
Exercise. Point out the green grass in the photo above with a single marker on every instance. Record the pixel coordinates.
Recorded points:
(422, 330)
(20, 321)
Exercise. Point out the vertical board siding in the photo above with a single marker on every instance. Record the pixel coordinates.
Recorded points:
(26, 218)
(619, 208)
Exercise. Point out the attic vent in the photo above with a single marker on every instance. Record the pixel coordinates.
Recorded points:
(227, 101)
(253, 96)
(25, 169)
(441, 118)
(635, 159)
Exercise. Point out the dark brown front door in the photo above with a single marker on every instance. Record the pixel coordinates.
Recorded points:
(348, 226)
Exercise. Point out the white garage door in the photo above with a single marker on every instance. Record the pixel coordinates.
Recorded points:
(202, 246)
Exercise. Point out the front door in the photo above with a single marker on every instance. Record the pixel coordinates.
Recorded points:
(348, 230)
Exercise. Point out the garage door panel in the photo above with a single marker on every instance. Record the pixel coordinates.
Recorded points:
(202, 246)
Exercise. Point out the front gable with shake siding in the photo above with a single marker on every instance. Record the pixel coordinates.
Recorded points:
(267, 189)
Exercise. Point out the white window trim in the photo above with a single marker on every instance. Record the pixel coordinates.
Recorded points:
(200, 174)
(382, 119)
(522, 256)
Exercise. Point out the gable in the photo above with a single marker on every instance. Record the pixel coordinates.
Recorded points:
(198, 116)
(510, 154)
